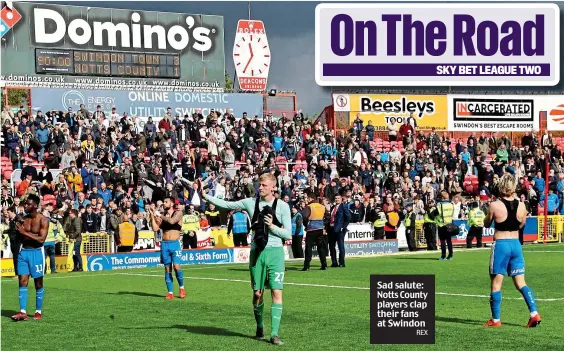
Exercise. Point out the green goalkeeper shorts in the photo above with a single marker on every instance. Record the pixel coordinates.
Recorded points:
(268, 271)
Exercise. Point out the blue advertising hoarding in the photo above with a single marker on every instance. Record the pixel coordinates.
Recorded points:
(529, 231)
(367, 248)
(146, 103)
(153, 259)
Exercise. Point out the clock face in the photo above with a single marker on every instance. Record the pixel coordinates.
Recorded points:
(251, 55)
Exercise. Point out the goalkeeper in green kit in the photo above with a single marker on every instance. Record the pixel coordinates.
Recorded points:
(271, 224)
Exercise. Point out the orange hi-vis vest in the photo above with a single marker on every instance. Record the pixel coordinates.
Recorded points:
(316, 215)
(126, 234)
(393, 219)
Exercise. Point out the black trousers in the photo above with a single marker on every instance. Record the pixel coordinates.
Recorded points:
(410, 236)
(189, 242)
(125, 248)
(521, 233)
(430, 230)
(474, 232)
(378, 233)
(239, 239)
(446, 241)
(339, 240)
(316, 238)
(15, 248)
(297, 249)
(391, 234)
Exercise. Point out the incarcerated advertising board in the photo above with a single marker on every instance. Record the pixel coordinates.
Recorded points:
(146, 103)
(495, 113)
(437, 44)
(97, 48)
(425, 111)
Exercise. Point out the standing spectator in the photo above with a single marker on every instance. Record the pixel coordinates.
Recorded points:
(476, 219)
(409, 223)
(430, 227)
(126, 235)
(444, 215)
(339, 221)
(240, 225)
(298, 232)
(73, 229)
(313, 216)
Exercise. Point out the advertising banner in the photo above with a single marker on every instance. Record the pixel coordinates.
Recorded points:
(153, 259)
(494, 113)
(99, 48)
(203, 237)
(62, 263)
(241, 254)
(423, 111)
(146, 103)
(530, 232)
(146, 241)
(437, 44)
(359, 232)
(220, 239)
(366, 248)
(551, 107)
(357, 248)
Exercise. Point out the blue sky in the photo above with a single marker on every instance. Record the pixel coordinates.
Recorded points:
(290, 30)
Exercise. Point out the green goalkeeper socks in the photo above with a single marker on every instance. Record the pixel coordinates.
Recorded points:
(259, 309)
(275, 315)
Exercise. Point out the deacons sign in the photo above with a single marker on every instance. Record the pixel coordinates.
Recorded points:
(437, 44)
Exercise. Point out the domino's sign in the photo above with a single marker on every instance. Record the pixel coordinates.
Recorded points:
(437, 44)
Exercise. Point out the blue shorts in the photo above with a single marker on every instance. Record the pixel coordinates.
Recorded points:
(507, 257)
(31, 262)
(171, 252)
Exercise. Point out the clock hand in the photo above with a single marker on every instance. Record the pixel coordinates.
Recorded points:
(250, 59)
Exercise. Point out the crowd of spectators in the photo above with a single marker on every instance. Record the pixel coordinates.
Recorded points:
(105, 161)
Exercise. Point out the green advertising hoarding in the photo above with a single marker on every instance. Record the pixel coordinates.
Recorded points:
(98, 48)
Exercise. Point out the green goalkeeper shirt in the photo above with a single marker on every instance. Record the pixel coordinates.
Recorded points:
(276, 235)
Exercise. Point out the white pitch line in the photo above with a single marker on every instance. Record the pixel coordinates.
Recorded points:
(286, 283)
(333, 286)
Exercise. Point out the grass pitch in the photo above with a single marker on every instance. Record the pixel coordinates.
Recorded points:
(323, 310)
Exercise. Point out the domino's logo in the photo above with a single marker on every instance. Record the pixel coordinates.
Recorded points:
(98, 263)
(9, 17)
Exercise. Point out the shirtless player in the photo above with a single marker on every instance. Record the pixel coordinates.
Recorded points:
(171, 249)
(32, 231)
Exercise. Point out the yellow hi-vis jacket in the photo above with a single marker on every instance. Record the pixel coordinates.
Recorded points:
(51, 237)
(446, 212)
(190, 222)
(476, 218)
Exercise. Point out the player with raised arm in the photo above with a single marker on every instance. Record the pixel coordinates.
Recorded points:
(32, 230)
(267, 251)
(171, 249)
(506, 254)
